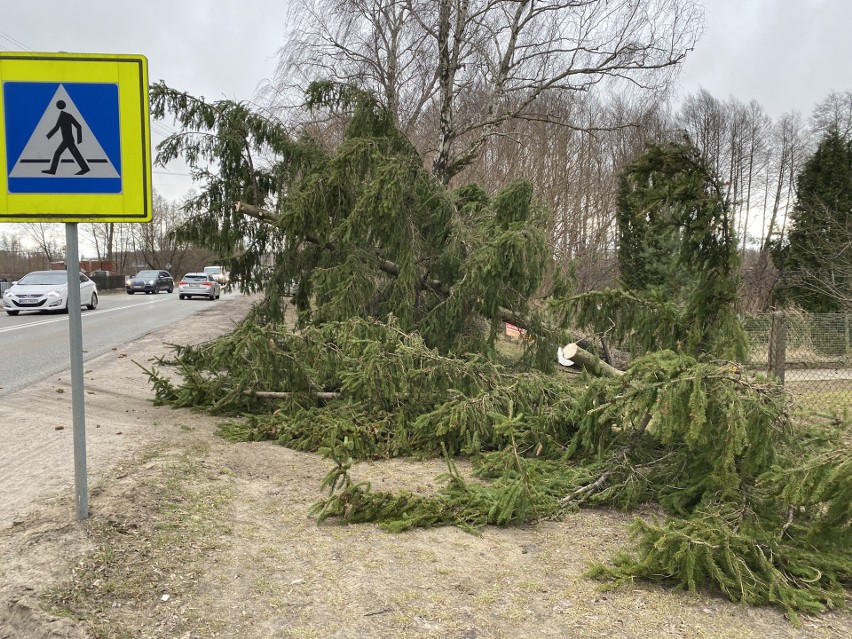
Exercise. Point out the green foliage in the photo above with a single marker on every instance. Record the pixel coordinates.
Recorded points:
(737, 554)
(365, 229)
(719, 426)
(404, 288)
(677, 260)
(814, 261)
(512, 499)
(672, 216)
(396, 396)
(758, 509)
(821, 486)
(233, 138)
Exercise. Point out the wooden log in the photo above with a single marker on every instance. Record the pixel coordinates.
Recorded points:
(286, 394)
(592, 363)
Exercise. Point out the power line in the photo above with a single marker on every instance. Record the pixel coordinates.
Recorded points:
(12, 40)
(158, 127)
(172, 173)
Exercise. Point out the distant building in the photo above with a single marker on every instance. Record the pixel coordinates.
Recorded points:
(88, 266)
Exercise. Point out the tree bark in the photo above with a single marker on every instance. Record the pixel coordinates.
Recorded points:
(590, 362)
(286, 394)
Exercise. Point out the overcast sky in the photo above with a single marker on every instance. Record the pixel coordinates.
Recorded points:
(786, 54)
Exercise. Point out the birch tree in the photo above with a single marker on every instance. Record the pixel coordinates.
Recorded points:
(453, 72)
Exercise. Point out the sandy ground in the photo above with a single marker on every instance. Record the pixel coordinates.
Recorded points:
(191, 536)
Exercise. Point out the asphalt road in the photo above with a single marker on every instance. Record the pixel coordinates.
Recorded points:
(34, 346)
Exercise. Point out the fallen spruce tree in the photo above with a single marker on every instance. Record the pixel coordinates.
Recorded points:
(404, 287)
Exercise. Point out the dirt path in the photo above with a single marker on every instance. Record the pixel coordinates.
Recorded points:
(191, 536)
(36, 447)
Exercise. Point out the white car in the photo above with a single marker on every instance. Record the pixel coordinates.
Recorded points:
(219, 274)
(47, 291)
(199, 285)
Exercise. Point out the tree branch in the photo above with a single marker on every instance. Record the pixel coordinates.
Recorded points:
(590, 362)
(286, 394)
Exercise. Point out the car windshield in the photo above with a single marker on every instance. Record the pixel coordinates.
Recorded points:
(44, 279)
(213, 270)
(146, 275)
(195, 278)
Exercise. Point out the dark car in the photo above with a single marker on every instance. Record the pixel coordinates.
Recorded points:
(150, 282)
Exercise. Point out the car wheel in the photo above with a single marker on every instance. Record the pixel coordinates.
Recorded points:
(12, 312)
(130, 292)
(171, 290)
(93, 302)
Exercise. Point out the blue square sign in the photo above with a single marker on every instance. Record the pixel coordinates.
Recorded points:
(62, 137)
(75, 140)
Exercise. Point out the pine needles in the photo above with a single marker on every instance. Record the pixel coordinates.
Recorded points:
(738, 555)
(403, 288)
(758, 510)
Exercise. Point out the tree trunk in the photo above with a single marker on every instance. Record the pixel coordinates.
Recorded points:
(590, 362)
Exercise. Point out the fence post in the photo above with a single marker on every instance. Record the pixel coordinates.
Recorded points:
(778, 345)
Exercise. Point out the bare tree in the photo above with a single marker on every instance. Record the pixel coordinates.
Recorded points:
(753, 162)
(575, 172)
(103, 236)
(786, 146)
(791, 148)
(47, 238)
(10, 242)
(153, 244)
(454, 72)
(835, 112)
(12, 256)
(371, 43)
(758, 160)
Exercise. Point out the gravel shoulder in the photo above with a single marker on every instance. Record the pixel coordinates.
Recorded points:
(191, 536)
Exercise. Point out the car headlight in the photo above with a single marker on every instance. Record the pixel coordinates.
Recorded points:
(151, 282)
(58, 293)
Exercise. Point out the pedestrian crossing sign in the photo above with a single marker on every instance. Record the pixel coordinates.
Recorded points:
(74, 138)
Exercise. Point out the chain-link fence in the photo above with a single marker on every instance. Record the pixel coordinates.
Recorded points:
(810, 353)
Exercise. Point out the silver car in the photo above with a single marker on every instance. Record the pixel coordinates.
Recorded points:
(47, 291)
(199, 285)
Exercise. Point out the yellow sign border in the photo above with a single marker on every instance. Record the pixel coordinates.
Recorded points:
(130, 73)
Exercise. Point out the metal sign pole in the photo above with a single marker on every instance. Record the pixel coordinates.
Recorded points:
(75, 340)
(103, 99)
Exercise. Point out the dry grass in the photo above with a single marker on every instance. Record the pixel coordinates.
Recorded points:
(223, 530)
(150, 549)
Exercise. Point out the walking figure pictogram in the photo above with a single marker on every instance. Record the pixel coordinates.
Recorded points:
(66, 124)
